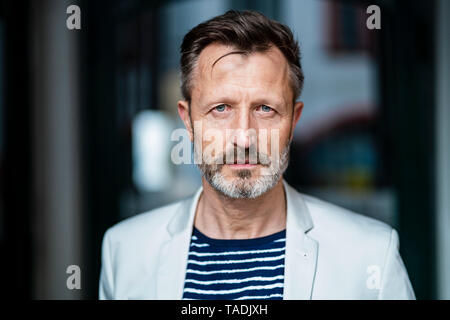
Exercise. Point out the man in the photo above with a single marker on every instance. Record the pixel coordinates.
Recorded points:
(246, 234)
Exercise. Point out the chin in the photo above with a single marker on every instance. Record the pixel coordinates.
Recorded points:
(247, 174)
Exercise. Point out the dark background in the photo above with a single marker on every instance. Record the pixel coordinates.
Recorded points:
(68, 100)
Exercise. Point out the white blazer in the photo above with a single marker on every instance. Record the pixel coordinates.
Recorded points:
(331, 253)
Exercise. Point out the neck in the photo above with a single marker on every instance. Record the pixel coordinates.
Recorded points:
(221, 217)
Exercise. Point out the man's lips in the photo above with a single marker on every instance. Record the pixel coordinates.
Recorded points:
(242, 165)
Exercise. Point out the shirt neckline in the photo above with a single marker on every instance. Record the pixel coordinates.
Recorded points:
(239, 242)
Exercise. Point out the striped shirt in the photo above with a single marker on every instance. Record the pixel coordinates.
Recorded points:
(235, 269)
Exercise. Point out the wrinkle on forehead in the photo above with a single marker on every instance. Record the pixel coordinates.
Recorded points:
(219, 63)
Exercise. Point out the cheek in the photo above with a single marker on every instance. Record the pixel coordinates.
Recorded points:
(277, 134)
(213, 138)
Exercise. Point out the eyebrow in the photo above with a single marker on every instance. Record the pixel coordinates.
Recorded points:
(219, 100)
(228, 100)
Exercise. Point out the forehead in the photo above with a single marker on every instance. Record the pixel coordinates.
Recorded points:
(223, 69)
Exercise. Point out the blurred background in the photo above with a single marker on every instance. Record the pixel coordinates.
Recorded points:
(86, 118)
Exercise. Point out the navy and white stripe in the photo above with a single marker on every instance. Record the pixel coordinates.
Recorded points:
(235, 269)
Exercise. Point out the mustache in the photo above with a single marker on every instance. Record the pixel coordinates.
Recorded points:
(240, 155)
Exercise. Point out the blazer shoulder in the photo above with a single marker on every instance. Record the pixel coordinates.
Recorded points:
(144, 224)
(347, 225)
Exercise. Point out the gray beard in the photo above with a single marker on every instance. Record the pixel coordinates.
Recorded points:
(242, 187)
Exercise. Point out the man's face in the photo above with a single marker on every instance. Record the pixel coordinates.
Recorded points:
(241, 106)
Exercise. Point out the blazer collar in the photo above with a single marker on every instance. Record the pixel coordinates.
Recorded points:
(301, 251)
(297, 211)
(183, 220)
(172, 260)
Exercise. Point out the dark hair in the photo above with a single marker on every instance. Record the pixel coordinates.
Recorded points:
(247, 31)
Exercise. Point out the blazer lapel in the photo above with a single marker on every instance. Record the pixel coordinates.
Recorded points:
(301, 250)
(172, 261)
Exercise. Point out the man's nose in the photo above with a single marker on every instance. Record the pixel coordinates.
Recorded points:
(243, 130)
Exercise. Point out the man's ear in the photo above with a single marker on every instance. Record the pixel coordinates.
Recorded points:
(183, 111)
(298, 108)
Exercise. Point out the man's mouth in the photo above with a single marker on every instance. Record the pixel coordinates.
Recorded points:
(245, 164)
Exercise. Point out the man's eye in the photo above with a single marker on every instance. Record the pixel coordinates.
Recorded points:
(220, 108)
(265, 108)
